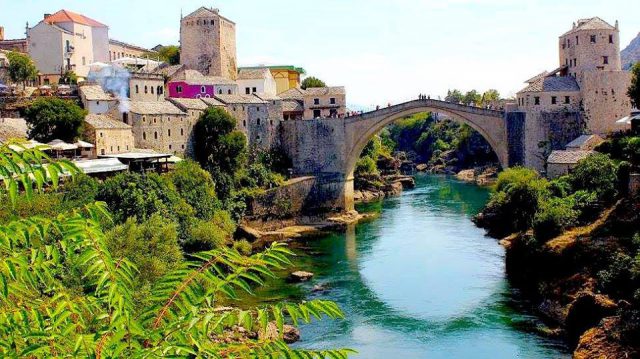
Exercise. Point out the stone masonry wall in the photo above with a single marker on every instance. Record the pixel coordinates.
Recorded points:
(605, 99)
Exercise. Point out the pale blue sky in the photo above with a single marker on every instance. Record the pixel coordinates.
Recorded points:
(382, 51)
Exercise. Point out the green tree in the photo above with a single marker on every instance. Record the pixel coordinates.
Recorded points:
(219, 148)
(196, 187)
(490, 97)
(170, 54)
(454, 96)
(596, 173)
(135, 195)
(634, 89)
(472, 98)
(53, 118)
(69, 78)
(21, 67)
(311, 82)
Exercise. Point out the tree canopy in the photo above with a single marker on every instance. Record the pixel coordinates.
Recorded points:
(54, 118)
(454, 96)
(634, 89)
(21, 67)
(170, 54)
(311, 82)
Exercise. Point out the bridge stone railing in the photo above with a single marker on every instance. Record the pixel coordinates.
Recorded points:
(427, 103)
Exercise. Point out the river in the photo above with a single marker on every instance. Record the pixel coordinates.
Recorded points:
(419, 281)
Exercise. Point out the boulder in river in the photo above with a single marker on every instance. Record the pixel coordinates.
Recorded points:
(301, 276)
(290, 334)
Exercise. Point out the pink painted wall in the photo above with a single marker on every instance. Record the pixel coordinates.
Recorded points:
(189, 91)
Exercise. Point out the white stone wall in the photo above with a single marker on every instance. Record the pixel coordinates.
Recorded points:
(261, 86)
(605, 99)
(146, 88)
(162, 133)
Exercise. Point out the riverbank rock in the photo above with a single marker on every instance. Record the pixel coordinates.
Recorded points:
(408, 182)
(300, 276)
(248, 233)
(422, 167)
(319, 288)
(290, 334)
(393, 189)
(600, 342)
(367, 196)
(586, 311)
(467, 175)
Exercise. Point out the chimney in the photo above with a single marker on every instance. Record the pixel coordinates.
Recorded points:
(1, 33)
(46, 16)
(617, 27)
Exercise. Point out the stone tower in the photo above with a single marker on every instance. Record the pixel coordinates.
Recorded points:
(208, 43)
(591, 45)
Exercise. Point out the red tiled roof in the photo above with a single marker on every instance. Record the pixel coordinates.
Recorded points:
(70, 16)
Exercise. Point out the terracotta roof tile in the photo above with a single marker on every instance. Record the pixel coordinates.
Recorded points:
(70, 16)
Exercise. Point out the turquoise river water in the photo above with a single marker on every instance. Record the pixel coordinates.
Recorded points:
(419, 281)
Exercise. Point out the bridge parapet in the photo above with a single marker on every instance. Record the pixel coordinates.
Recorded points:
(427, 103)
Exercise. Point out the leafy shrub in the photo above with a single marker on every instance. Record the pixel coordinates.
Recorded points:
(553, 217)
(211, 234)
(243, 246)
(560, 187)
(617, 278)
(586, 203)
(136, 195)
(196, 187)
(596, 173)
(633, 151)
(81, 190)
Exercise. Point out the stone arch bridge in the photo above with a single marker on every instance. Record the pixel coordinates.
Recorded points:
(328, 149)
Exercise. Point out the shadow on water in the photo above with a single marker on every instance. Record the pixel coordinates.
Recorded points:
(421, 281)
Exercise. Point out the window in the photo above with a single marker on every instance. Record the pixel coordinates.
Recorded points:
(137, 89)
(102, 151)
(98, 103)
(179, 89)
(203, 89)
(605, 60)
(169, 132)
(101, 134)
(254, 90)
(611, 39)
(155, 135)
(125, 117)
(567, 100)
(317, 114)
(316, 101)
(554, 100)
(536, 100)
(211, 22)
(155, 120)
(258, 122)
(144, 135)
(111, 148)
(160, 90)
(247, 91)
(170, 147)
(152, 90)
(593, 39)
(229, 92)
(271, 122)
(244, 123)
(219, 91)
(118, 148)
(146, 89)
(577, 40)
(333, 100)
(182, 132)
(84, 61)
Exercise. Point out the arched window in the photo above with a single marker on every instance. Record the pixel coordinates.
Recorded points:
(219, 91)
(146, 90)
(229, 92)
(144, 119)
(182, 132)
(244, 123)
(203, 89)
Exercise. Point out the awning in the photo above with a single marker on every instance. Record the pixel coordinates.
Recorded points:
(82, 144)
(59, 145)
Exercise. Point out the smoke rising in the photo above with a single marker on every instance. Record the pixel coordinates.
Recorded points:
(115, 80)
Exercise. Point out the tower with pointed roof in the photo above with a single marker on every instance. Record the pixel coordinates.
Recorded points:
(208, 43)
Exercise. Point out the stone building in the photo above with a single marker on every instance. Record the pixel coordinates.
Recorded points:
(193, 109)
(107, 134)
(146, 87)
(19, 45)
(157, 125)
(258, 80)
(252, 114)
(208, 43)
(95, 100)
(119, 49)
(561, 163)
(66, 41)
(585, 94)
(324, 102)
(192, 84)
(286, 77)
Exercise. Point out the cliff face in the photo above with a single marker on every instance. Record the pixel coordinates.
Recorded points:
(631, 54)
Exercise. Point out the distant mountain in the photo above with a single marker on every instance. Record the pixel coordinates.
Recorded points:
(631, 54)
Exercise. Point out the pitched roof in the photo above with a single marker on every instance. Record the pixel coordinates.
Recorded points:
(291, 105)
(167, 70)
(553, 84)
(70, 16)
(154, 108)
(95, 93)
(193, 77)
(189, 103)
(254, 74)
(267, 97)
(105, 121)
(293, 93)
(206, 12)
(585, 142)
(239, 99)
(594, 23)
(325, 91)
(568, 157)
(212, 102)
(299, 70)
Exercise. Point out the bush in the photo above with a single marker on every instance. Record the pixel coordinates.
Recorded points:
(152, 246)
(196, 187)
(617, 278)
(633, 151)
(82, 190)
(243, 246)
(135, 195)
(53, 118)
(211, 234)
(554, 216)
(515, 175)
(596, 173)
